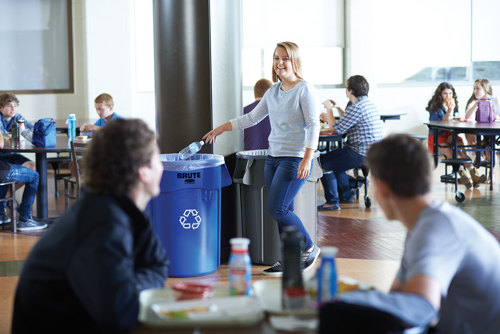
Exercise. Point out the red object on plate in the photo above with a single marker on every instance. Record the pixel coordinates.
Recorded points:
(187, 291)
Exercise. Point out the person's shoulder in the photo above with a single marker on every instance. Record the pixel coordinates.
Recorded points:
(116, 116)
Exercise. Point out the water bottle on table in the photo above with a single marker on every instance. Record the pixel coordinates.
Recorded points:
(293, 295)
(240, 268)
(191, 150)
(327, 275)
(71, 127)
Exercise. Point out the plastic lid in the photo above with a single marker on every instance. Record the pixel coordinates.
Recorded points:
(239, 243)
(329, 251)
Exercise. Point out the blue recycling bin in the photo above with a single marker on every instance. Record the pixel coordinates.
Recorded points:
(186, 215)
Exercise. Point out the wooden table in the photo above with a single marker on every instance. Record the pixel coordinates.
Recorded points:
(41, 167)
(491, 130)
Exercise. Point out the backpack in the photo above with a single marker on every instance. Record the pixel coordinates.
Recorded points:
(485, 112)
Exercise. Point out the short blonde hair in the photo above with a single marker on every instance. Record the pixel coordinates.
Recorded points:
(292, 50)
(106, 99)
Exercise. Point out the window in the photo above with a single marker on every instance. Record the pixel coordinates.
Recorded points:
(428, 40)
(36, 43)
(317, 26)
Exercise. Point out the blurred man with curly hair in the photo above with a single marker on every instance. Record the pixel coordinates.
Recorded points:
(86, 272)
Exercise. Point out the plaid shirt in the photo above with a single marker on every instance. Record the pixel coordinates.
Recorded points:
(361, 122)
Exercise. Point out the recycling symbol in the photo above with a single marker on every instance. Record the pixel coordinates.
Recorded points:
(190, 219)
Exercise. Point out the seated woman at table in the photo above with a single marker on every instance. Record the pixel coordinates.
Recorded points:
(441, 107)
(482, 90)
(104, 107)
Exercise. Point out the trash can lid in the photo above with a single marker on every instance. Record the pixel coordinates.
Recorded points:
(173, 161)
(252, 154)
(260, 154)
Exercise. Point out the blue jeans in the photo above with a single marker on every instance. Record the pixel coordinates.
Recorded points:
(29, 177)
(282, 185)
(336, 184)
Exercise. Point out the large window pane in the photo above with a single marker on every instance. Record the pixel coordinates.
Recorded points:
(317, 26)
(485, 48)
(421, 40)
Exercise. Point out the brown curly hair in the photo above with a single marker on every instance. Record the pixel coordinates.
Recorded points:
(111, 163)
(436, 102)
(6, 98)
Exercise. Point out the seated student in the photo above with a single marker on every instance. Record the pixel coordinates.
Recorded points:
(256, 137)
(104, 108)
(442, 106)
(482, 90)
(449, 259)
(8, 115)
(362, 125)
(20, 174)
(85, 274)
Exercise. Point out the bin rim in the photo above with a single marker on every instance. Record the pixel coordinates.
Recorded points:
(173, 162)
(252, 154)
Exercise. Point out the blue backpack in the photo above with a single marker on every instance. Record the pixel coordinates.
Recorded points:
(44, 133)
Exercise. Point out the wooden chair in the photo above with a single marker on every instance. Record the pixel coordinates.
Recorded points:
(77, 153)
(12, 199)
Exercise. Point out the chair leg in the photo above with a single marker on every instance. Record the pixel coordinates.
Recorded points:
(13, 211)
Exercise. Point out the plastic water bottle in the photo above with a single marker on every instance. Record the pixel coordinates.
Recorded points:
(27, 134)
(71, 127)
(190, 150)
(240, 268)
(293, 294)
(327, 275)
(15, 139)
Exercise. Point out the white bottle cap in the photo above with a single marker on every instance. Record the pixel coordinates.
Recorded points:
(239, 243)
(329, 251)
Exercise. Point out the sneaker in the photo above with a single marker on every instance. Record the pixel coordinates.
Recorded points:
(275, 270)
(30, 225)
(4, 218)
(310, 257)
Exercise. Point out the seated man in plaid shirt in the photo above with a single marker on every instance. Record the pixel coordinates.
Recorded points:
(362, 125)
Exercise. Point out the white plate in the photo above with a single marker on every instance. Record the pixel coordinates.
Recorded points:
(268, 292)
(219, 311)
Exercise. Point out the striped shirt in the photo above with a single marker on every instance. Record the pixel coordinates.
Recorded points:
(361, 122)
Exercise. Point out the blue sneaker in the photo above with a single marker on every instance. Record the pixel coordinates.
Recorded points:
(4, 219)
(30, 225)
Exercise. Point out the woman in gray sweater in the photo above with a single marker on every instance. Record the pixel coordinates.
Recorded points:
(292, 106)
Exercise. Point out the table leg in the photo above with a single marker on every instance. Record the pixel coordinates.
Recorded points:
(42, 198)
(436, 150)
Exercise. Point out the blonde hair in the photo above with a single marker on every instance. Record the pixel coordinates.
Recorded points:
(292, 50)
(485, 83)
(106, 99)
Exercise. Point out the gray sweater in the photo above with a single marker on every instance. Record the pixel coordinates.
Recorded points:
(294, 117)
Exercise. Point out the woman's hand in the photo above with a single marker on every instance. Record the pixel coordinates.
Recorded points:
(211, 137)
(304, 168)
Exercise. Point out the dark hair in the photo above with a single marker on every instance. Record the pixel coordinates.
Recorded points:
(403, 163)
(111, 163)
(260, 87)
(358, 85)
(436, 102)
(6, 98)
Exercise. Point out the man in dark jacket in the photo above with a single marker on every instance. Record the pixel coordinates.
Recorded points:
(85, 274)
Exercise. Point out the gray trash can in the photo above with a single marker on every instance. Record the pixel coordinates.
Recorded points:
(256, 221)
